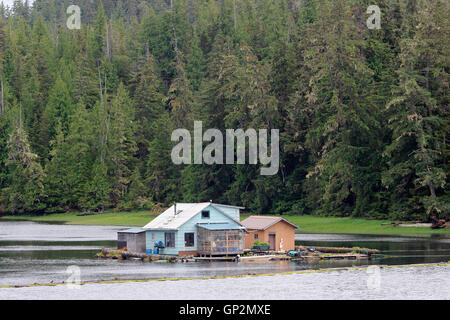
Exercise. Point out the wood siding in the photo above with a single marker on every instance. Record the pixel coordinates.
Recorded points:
(134, 242)
(284, 234)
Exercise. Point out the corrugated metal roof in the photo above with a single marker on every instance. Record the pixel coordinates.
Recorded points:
(228, 206)
(263, 222)
(169, 221)
(133, 230)
(219, 226)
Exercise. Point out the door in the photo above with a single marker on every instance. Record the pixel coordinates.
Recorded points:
(272, 242)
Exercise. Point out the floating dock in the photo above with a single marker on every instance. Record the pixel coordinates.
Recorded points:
(302, 254)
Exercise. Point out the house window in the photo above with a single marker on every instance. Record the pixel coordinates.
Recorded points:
(256, 236)
(170, 240)
(188, 239)
(205, 214)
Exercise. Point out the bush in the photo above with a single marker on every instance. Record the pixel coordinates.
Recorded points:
(260, 243)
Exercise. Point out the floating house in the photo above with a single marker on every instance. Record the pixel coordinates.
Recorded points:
(204, 229)
(278, 232)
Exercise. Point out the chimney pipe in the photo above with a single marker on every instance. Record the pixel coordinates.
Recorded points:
(175, 209)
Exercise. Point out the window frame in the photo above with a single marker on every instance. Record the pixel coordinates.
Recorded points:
(169, 242)
(187, 245)
(203, 214)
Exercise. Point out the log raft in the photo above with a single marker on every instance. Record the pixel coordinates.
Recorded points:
(340, 250)
(306, 253)
(128, 255)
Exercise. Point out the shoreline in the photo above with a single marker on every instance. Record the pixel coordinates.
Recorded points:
(308, 224)
(324, 270)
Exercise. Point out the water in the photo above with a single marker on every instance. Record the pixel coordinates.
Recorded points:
(427, 283)
(42, 253)
(395, 250)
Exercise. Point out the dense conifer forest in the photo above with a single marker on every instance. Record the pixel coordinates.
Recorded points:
(86, 115)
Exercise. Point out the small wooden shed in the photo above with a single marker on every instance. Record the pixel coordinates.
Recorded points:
(278, 232)
(132, 239)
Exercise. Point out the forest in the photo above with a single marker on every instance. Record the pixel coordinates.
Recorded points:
(86, 115)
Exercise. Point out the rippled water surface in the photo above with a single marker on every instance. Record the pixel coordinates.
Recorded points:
(42, 253)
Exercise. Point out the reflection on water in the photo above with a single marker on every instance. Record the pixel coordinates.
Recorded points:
(419, 283)
(395, 250)
(41, 253)
(31, 231)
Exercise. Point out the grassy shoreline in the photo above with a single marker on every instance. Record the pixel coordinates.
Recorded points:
(308, 224)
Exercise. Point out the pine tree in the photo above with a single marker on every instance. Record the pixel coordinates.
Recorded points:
(363, 114)
(180, 98)
(3, 42)
(209, 182)
(25, 190)
(415, 120)
(58, 111)
(122, 144)
(162, 176)
(341, 130)
(99, 35)
(145, 87)
(72, 158)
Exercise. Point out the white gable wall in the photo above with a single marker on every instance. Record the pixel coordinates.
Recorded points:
(232, 212)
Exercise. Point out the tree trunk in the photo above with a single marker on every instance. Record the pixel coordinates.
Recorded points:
(234, 13)
(174, 31)
(108, 43)
(2, 103)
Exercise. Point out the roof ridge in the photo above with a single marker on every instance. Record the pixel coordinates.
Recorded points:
(265, 217)
(267, 222)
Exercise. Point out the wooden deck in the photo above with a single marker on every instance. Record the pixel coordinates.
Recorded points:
(333, 257)
(264, 258)
(209, 259)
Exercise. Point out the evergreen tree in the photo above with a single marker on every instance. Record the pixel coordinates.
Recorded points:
(415, 151)
(148, 100)
(363, 114)
(59, 109)
(122, 144)
(25, 190)
(339, 138)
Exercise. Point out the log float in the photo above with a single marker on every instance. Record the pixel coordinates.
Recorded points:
(320, 253)
(341, 250)
(128, 255)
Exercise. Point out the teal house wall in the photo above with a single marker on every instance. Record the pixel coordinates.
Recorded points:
(217, 214)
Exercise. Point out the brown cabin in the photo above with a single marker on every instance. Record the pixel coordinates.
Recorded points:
(278, 232)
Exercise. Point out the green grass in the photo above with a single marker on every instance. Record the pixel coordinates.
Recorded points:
(308, 224)
(132, 219)
(312, 224)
